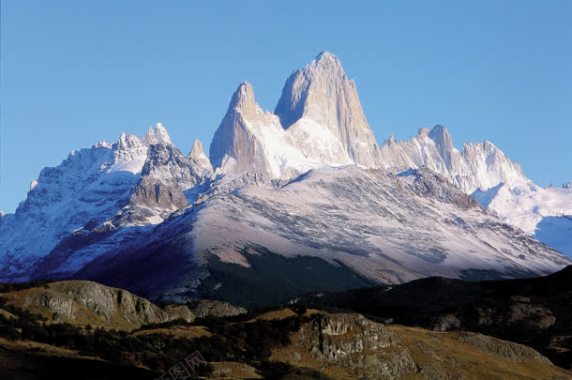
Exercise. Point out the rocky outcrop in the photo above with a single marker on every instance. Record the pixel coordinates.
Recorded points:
(351, 341)
(217, 309)
(350, 346)
(165, 177)
(89, 303)
(236, 138)
(199, 159)
(477, 166)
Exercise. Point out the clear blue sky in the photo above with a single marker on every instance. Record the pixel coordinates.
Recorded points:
(75, 72)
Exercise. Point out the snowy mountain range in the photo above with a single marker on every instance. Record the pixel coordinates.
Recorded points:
(290, 201)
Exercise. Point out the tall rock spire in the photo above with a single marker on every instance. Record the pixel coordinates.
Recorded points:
(236, 138)
(322, 92)
(200, 159)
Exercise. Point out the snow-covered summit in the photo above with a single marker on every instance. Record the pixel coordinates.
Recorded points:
(90, 187)
(318, 122)
(307, 179)
(477, 166)
(157, 135)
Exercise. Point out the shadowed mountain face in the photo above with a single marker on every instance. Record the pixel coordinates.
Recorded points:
(289, 238)
(535, 312)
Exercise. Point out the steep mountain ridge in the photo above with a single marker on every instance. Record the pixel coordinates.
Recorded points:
(306, 187)
(322, 94)
(133, 182)
(477, 166)
(388, 229)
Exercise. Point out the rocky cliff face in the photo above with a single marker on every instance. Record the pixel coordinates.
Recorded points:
(321, 93)
(351, 346)
(88, 303)
(477, 166)
(166, 175)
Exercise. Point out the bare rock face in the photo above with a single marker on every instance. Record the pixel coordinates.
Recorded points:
(235, 138)
(354, 342)
(322, 93)
(512, 351)
(351, 346)
(89, 303)
(200, 160)
(165, 177)
(218, 309)
(447, 322)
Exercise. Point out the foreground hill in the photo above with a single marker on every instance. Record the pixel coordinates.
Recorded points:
(279, 343)
(535, 312)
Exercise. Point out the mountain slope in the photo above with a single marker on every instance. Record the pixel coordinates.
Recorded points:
(306, 188)
(110, 188)
(533, 311)
(326, 230)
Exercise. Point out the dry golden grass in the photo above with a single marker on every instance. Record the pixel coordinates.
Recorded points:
(7, 315)
(436, 355)
(181, 332)
(468, 360)
(274, 315)
(40, 349)
(233, 370)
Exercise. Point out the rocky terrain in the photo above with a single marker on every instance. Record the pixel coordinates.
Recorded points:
(535, 312)
(126, 336)
(86, 303)
(299, 248)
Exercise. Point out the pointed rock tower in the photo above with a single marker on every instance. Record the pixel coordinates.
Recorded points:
(322, 92)
(199, 159)
(237, 138)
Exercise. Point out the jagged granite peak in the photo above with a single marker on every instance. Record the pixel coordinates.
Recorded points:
(444, 143)
(165, 178)
(481, 165)
(235, 139)
(157, 135)
(200, 159)
(88, 189)
(322, 93)
(244, 100)
(128, 141)
(442, 138)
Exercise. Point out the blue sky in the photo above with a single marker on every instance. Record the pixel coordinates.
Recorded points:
(76, 72)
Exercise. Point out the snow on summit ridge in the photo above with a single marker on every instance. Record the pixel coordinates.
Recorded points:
(318, 122)
(321, 93)
(316, 153)
(157, 135)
